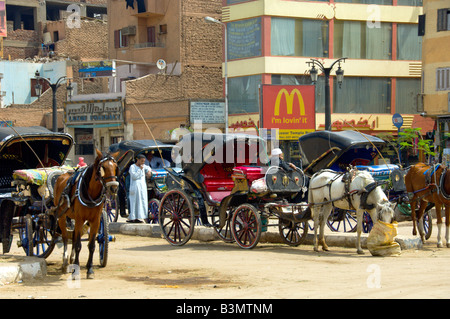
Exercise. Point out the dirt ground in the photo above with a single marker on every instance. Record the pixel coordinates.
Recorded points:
(141, 267)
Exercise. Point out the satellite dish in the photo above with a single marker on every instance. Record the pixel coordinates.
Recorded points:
(161, 64)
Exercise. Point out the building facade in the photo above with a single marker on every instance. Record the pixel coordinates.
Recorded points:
(435, 29)
(167, 58)
(27, 33)
(270, 42)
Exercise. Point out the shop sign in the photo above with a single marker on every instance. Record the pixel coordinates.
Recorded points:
(207, 112)
(290, 109)
(94, 112)
(96, 69)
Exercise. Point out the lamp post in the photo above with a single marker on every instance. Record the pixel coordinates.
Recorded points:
(212, 20)
(326, 71)
(54, 87)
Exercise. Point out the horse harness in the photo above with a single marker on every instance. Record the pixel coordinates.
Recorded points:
(437, 187)
(347, 178)
(81, 180)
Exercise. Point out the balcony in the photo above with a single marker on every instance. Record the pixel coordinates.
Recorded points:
(153, 8)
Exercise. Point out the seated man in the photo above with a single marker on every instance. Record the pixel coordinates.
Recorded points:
(156, 161)
(277, 159)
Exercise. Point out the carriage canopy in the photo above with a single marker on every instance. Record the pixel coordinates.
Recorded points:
(337, 150)
(128, 150)
(197, 150)
(30, 147)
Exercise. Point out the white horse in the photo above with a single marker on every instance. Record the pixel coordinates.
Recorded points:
(327, 189)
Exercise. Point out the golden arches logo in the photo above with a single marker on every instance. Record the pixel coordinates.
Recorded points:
(289, 101)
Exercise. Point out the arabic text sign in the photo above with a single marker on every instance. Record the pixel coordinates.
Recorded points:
(208, 112)
(94, 112)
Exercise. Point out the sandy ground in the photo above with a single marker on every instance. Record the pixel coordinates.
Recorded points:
(141, 267)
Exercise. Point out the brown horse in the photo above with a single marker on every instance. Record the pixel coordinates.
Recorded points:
(82, 199)
(429, 184)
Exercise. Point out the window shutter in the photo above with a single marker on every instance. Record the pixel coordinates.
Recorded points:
(442, 20)
(421, 25)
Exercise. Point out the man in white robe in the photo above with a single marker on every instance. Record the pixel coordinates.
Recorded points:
(138, 190)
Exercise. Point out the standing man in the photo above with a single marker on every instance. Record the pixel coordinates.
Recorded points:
(138, 190)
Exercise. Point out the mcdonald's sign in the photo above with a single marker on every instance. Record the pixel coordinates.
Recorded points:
(290, 109)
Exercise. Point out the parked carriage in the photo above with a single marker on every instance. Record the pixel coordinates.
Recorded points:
(217, 187)
(338, 151)
(31, 159)
(25, 155)
(156, 186)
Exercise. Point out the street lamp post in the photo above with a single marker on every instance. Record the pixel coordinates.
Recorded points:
(326, 71)
(54, 87)
(212, 20)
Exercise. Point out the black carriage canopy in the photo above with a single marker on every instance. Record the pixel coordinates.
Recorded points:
(337, 150)
(128, 150)
(17, 146)
(196, 150)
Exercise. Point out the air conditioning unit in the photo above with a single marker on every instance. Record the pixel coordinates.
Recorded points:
(130, 30)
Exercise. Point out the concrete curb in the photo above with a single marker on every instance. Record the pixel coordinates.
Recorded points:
(17, 269)
(205, 234)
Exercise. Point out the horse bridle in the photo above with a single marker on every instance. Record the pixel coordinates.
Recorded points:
(99, 168)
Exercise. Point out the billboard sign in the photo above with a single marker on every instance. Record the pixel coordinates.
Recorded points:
(290, 109)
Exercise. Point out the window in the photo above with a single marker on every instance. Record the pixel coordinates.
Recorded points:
(120, 40)
(443, 79)
(422, 21)
(409, 44)
(304, 80)
(299, 37)
(151, 35)
(244, 38)
(243, 94)
(374, 95)
(407, 93)
(443, 20)
(414, 3)
(357, 40)
(383, 2)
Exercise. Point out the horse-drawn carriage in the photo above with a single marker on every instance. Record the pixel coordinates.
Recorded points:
(228, 184)
(26, 155)
(31, 162)
(156, 186)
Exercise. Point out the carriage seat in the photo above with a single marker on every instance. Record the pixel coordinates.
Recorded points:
(250, 173)
(217, 180)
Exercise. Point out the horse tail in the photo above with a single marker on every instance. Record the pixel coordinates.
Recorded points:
(410, 188)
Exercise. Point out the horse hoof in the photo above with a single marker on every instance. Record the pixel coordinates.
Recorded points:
(90, 276)
(316, 249)
(439, 245)
(325, 248)
(360, 252)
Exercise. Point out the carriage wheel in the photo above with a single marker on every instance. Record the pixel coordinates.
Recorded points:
(37, 237)
(112, 208)
(224, 232)
(103, 238)
(291, 233)
(246, 226)
(153, 208)
(344, 221)
(176, 217)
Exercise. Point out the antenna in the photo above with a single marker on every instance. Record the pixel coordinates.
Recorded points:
(161, 64)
